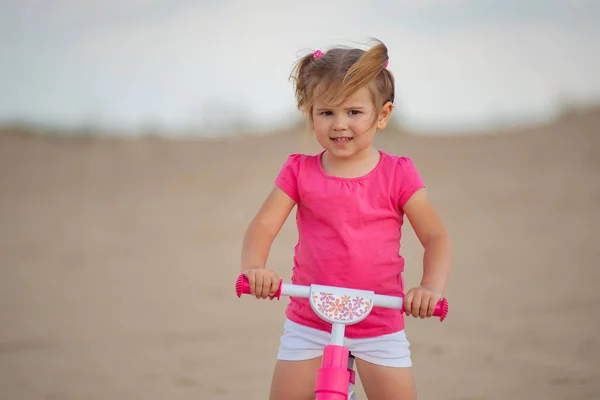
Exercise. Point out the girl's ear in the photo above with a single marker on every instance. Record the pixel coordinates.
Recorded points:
(384, 115)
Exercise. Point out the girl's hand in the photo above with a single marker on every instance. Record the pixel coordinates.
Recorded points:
(421, 301)
(263, 282)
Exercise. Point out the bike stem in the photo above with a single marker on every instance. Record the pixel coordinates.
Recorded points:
(337, 334)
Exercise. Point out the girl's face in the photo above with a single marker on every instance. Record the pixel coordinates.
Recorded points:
(348, 129)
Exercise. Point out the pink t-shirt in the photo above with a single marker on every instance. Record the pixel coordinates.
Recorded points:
(349, 233)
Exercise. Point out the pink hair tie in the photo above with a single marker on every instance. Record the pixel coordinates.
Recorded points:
(317, 54)
(386, 63)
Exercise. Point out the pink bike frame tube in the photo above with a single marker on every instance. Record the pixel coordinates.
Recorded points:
(333, 376)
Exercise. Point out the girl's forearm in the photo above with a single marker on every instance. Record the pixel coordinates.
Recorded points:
(256, 246)
(437, 259)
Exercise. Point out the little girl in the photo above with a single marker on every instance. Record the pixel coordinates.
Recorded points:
(351, 201)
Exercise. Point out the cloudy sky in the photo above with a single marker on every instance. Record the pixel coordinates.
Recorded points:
(211, 64)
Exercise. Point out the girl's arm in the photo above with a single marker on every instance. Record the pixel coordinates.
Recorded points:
(264, 228)
(437, 257)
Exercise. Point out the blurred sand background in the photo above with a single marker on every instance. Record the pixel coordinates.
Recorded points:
(118, 260)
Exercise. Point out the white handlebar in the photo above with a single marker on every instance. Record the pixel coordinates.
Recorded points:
(379, 300)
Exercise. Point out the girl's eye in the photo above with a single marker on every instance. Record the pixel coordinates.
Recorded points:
(330, 113)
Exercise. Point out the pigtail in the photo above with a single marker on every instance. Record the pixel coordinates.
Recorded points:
(301, 84)
(370, 64)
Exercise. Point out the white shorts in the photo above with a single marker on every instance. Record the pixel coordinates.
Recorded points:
(300, 342)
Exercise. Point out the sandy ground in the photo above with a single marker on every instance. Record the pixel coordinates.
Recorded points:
(118, 261)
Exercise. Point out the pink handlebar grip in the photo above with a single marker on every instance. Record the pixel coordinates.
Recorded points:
(242, 286)
(441, 309)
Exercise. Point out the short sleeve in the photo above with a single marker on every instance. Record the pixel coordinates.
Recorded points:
(408, 180)
(287, 179)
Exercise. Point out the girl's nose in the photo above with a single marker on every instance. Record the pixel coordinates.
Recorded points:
(340, 123)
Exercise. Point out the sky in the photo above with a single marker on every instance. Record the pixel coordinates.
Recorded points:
(212, 66)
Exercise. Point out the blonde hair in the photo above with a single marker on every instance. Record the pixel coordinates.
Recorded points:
(341, 72)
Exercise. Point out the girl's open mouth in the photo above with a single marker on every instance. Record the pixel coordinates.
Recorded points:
(341, 139)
